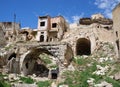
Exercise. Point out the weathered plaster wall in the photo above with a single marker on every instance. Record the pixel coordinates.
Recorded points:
(43, 30)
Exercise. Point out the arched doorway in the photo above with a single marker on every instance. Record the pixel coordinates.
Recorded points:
(33, 63)
(83, 47)
(41, 38)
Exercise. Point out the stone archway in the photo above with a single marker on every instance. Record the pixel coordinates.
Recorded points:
(83, 46)
(32, 63)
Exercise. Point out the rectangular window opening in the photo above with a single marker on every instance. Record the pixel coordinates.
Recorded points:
(54, 25)
(42, 23)
(42, 32)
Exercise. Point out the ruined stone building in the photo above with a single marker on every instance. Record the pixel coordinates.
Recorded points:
(53, 37)
(51, 29)
(10, 29)
(86, 36)
(116, 27)
(27, 34)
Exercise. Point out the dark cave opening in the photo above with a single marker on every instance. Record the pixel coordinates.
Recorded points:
(83, 47)
(54, 73)
(13, 55)
(40, 70)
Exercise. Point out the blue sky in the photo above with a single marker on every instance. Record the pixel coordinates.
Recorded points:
(27, 11)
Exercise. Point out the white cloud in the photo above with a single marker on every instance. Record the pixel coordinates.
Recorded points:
(67, 19)
(107, 6)
(76, 18)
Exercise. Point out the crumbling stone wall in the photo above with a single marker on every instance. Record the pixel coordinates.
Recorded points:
(94, 33)
(2, 39)
(11, 30)
(116, 27)
(62, 52)
(95, 19)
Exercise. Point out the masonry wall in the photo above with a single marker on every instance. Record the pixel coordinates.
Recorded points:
(116, 27)
(94, 32)
(58, 26)
(9, 26)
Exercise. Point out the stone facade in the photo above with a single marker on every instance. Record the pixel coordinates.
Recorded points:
(43, 27)
(9, 26)
(10, 29)
(116, 27)
(86, 36)
(61, 52)
(58, 27)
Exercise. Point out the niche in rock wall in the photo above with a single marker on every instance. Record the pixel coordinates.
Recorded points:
(83, 47)
(13, 55)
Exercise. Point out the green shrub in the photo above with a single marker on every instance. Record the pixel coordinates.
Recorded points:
(44, 83)
(53, 66)
(114, 82)
(111, 46)
(79, 78)
(47, 61)
(4, 84)
(27, 80)
(45, 58)
(81, 60)
(8, 47)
